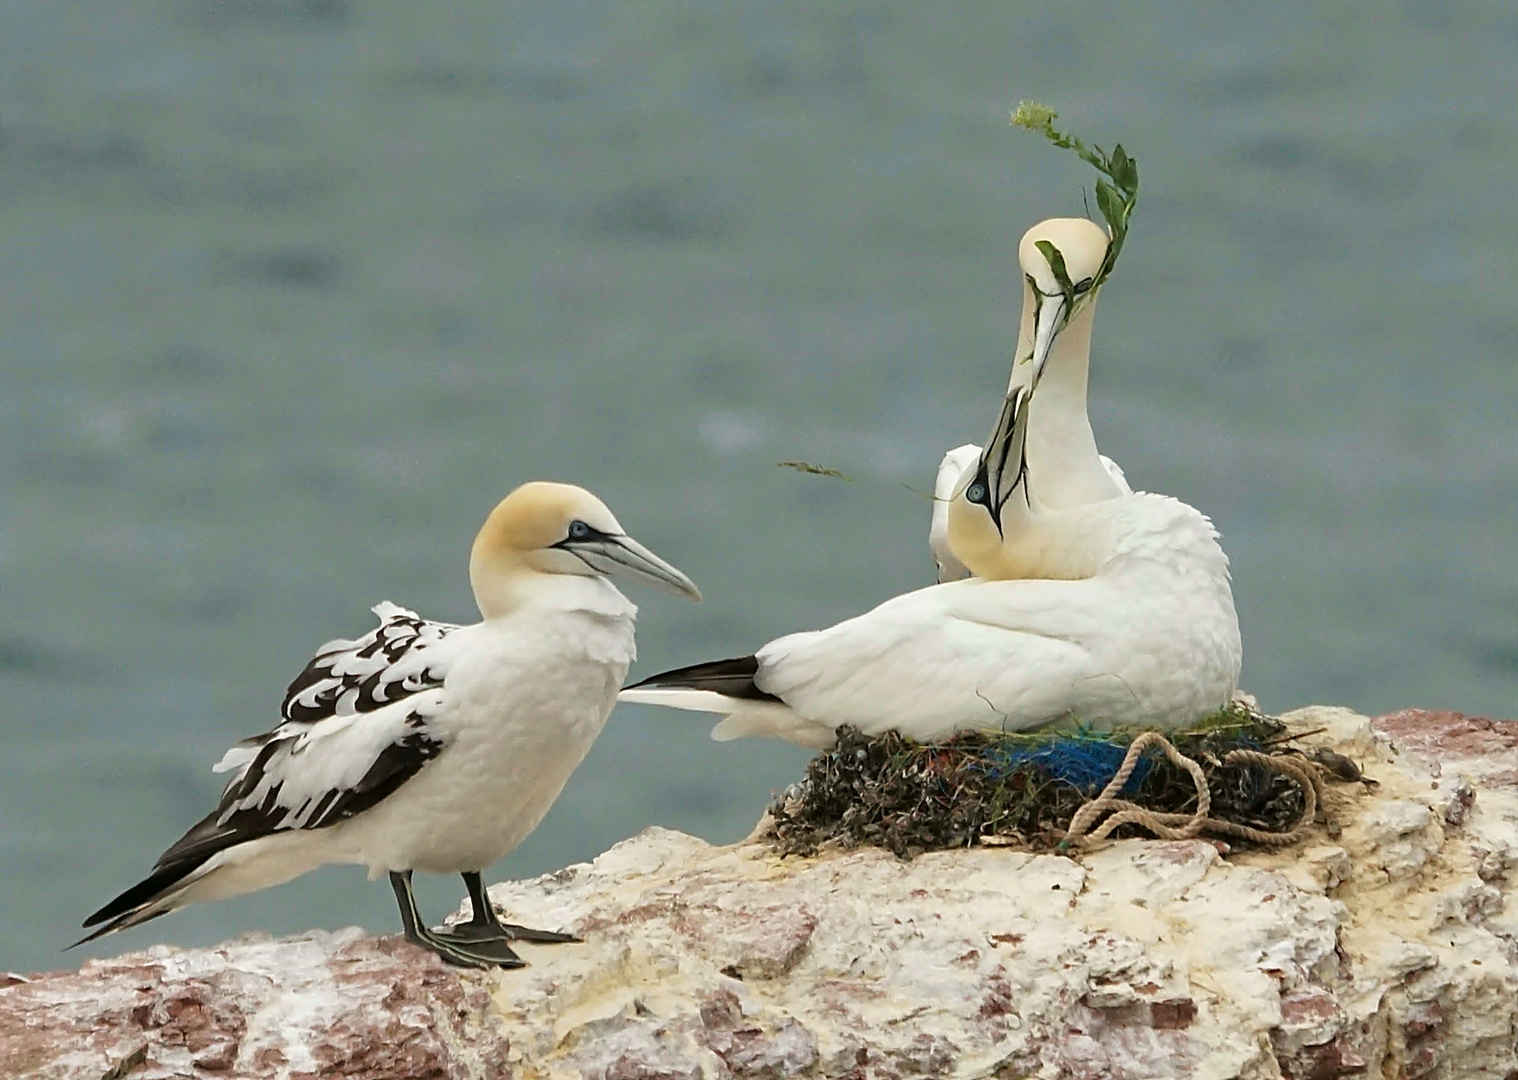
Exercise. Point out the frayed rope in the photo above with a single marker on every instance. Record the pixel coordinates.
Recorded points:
(1186, 826)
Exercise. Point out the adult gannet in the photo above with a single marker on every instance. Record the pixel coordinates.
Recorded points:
(1054, 351)
(430, 746)
(1110, 612)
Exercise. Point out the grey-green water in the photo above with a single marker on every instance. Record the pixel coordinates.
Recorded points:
(291, 291)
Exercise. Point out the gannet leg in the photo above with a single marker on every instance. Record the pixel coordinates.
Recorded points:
(465, 954)
(484, 926)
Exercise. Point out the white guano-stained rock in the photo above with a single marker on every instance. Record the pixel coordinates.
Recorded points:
(1385, 947)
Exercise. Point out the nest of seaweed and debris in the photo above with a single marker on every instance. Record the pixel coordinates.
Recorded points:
(1023, 788)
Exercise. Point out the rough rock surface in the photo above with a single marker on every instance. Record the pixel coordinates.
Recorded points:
(1385, 947)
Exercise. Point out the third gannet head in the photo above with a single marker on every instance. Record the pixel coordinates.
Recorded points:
(543, 528)
(954, 465)
(1061, 259)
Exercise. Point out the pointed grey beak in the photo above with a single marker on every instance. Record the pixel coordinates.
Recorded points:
(1047, 324)
(1003, 463)
(624, 557)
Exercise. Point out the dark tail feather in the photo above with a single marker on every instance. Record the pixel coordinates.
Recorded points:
(126, 909)
(735, 678)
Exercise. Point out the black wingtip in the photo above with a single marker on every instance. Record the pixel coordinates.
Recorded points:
(91, 936)
(734, 677)
(122, 922)
(124, 910)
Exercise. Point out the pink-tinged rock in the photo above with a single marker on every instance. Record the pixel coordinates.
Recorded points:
(1389, 950)
(1326, 1061)
(1486, 750)
(321, 1005)
(1313, 1042)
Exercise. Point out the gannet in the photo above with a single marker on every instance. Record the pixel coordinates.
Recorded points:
(430, 746)
(1108, 613)
(1053, 343)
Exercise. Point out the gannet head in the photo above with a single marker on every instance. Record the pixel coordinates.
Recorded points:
(1061, 259)
(990, 502)
(546, 528)
(954, 465)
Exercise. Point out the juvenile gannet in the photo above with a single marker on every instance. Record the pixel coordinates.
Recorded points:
(1110, 612)
(430, 746)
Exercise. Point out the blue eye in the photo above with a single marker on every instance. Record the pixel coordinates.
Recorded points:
(578, 530)
(976, 492)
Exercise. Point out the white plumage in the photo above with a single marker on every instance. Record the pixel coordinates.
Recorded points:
(431, 746)
(1151, 638)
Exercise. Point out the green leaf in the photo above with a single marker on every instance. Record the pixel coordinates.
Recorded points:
(1057, 264)
(1119, 164)
(1125, 171)
(1110, 203)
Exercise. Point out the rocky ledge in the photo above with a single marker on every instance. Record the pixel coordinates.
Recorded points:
(1384, 946)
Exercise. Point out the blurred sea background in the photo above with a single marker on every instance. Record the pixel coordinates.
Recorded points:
(292, 291)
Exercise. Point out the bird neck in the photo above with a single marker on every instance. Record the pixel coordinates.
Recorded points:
(503, 588)
(500, 586)
(1062, 454)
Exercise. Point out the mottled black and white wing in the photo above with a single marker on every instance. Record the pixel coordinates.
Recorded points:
(358, 725)
(299, 776)
(313, 776)
(395, 660)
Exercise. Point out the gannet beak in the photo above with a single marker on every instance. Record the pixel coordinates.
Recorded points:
(1047, 324)
(1003, 463)
(622, 556)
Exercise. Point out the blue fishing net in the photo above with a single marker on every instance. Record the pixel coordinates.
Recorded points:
(1085, 763)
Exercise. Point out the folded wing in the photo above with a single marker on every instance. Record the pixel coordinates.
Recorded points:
(939, 660)
(967, 655)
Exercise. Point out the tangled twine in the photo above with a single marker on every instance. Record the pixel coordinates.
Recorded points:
(1169, 826)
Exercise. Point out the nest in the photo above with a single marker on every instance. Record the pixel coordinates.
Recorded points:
(1023, 788)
